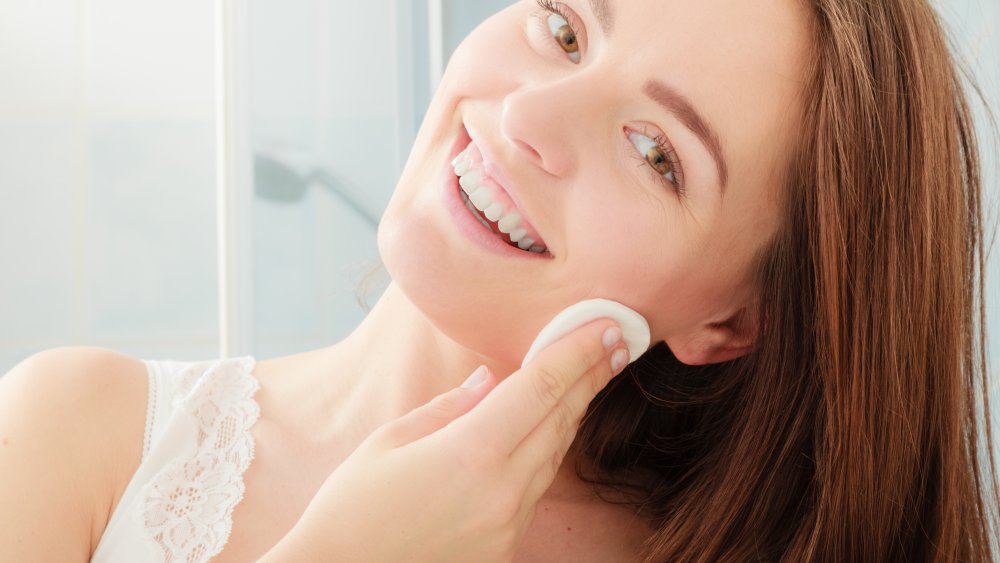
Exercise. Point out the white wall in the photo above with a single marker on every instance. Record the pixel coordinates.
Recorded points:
(106, 177)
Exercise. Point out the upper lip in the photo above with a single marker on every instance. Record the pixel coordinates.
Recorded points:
(495, 171)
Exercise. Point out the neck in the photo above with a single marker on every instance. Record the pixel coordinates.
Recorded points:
(394, 361)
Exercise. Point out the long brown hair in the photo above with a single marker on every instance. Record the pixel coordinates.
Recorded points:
(858, 429)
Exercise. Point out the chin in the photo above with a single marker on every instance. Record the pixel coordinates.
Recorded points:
(473, 296)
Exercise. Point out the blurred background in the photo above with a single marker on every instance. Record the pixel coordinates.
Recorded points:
(110, 167)
(192, 179)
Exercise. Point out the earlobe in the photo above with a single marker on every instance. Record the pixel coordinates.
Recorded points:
(714, 343)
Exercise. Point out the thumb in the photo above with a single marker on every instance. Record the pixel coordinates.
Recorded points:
(441, 410)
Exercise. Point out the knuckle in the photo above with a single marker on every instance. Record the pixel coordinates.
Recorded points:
(442, 406)
(564, 421)
(595, 382)
(548, 385)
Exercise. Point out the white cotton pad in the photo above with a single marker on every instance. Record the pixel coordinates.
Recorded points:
(635, 329)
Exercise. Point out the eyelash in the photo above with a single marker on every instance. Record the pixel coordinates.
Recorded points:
(554, 8)
(549, 7)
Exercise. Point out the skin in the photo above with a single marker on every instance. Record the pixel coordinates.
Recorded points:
(556, 129)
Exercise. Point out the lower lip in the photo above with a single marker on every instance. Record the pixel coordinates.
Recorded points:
(469, 225)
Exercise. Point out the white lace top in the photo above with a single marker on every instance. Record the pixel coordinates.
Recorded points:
(178, 507)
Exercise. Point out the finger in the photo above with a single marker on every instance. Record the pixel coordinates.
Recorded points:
(436, 414)
(523, 400)
(541, 453)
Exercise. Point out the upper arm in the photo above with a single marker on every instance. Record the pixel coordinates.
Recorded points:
(71, 429)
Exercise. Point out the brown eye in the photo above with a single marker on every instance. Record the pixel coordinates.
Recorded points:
(658, 161)
(657, 156)
(567, 39)
(564, 34)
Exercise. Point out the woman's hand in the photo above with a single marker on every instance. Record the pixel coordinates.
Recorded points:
(457, 479)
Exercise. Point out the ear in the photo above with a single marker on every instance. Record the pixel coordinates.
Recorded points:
(714, 343)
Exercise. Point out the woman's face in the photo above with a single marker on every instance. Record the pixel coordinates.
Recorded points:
(641, 142)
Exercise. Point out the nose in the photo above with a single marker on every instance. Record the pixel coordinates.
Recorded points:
(541, 126)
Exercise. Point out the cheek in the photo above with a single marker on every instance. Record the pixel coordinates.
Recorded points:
(624, 256)
(490, 306)
(624, 232)
(651, 261)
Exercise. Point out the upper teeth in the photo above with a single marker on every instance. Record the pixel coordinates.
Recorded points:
(481, 196)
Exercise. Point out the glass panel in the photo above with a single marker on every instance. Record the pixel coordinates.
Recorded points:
(324, 131)
(330, 131)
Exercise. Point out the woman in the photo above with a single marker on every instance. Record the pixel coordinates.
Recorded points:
(788, 192)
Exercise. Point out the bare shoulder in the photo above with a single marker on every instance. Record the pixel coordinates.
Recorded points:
(71, 434)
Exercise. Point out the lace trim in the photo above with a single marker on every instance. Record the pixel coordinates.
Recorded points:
(187, 508)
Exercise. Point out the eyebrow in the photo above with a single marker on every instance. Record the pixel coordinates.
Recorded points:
(672, 100)
(675, 102)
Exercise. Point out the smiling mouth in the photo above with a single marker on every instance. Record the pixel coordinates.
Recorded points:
(489, 203)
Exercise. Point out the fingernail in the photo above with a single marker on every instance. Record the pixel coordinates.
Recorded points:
(618, 360)
(477, 378)
(611, 337)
